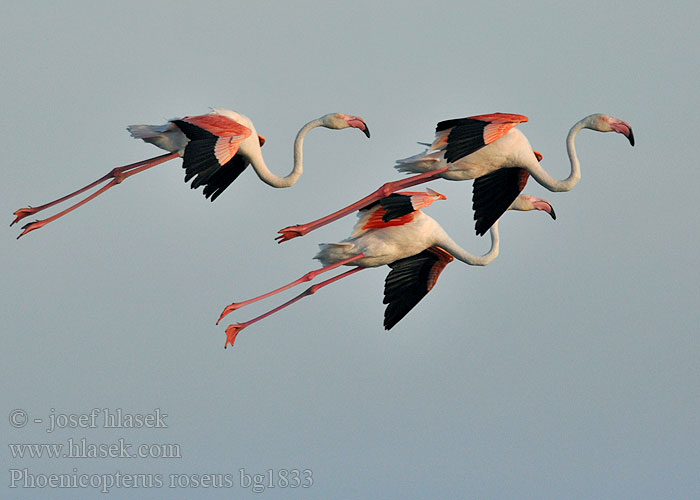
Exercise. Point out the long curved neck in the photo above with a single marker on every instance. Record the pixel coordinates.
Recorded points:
(461, 254)
(543, 177)
(258, 162)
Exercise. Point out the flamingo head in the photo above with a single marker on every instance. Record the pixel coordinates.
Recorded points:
(525, 202)
(340, 121)
(605, 123)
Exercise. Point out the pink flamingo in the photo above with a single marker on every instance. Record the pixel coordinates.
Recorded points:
(487, 148)
(392, 231)
(215, 148)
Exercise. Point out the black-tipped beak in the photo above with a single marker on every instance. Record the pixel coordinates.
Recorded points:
(622, 127)
(356, 122)
(544, 205)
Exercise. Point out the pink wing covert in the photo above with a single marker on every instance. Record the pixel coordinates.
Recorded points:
(500, 124)
(396, 209)
(230, 133)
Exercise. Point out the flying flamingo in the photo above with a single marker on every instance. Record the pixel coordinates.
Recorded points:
(392, 231)
(487, 148)
(215, 147)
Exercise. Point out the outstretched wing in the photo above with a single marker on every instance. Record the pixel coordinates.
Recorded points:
(463, 136)
(210, 155)
(493, 193)
(220, 177)
(410, 280)
(396, 209)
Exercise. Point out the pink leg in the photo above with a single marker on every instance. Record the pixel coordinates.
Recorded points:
(233, 330)
(390, 187)
(117, 175)
(307, 277)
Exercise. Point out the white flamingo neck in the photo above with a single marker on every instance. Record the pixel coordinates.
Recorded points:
(260, 167)
(459, 253)
(545, 179)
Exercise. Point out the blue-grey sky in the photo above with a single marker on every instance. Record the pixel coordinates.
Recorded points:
(568, 368)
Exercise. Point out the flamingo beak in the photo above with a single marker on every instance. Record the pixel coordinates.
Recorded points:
(622, 127)
(357, 122)
(438, 196)
(544, 205)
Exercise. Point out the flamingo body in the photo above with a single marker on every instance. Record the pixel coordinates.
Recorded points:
(471, 147)
(216, 148)
(512, 149)
(392, 231)
(500, 159)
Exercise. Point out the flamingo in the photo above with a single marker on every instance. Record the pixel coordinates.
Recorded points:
(215, 148)
(392, 231)
(487, 148)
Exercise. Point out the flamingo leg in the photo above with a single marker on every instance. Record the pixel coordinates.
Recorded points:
(117, 175)
(291, 232)
(307, 277)
(233, 330)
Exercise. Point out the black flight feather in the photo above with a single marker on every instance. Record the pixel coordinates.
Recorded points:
(406, 284)
(200, 162)
(493, 193)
